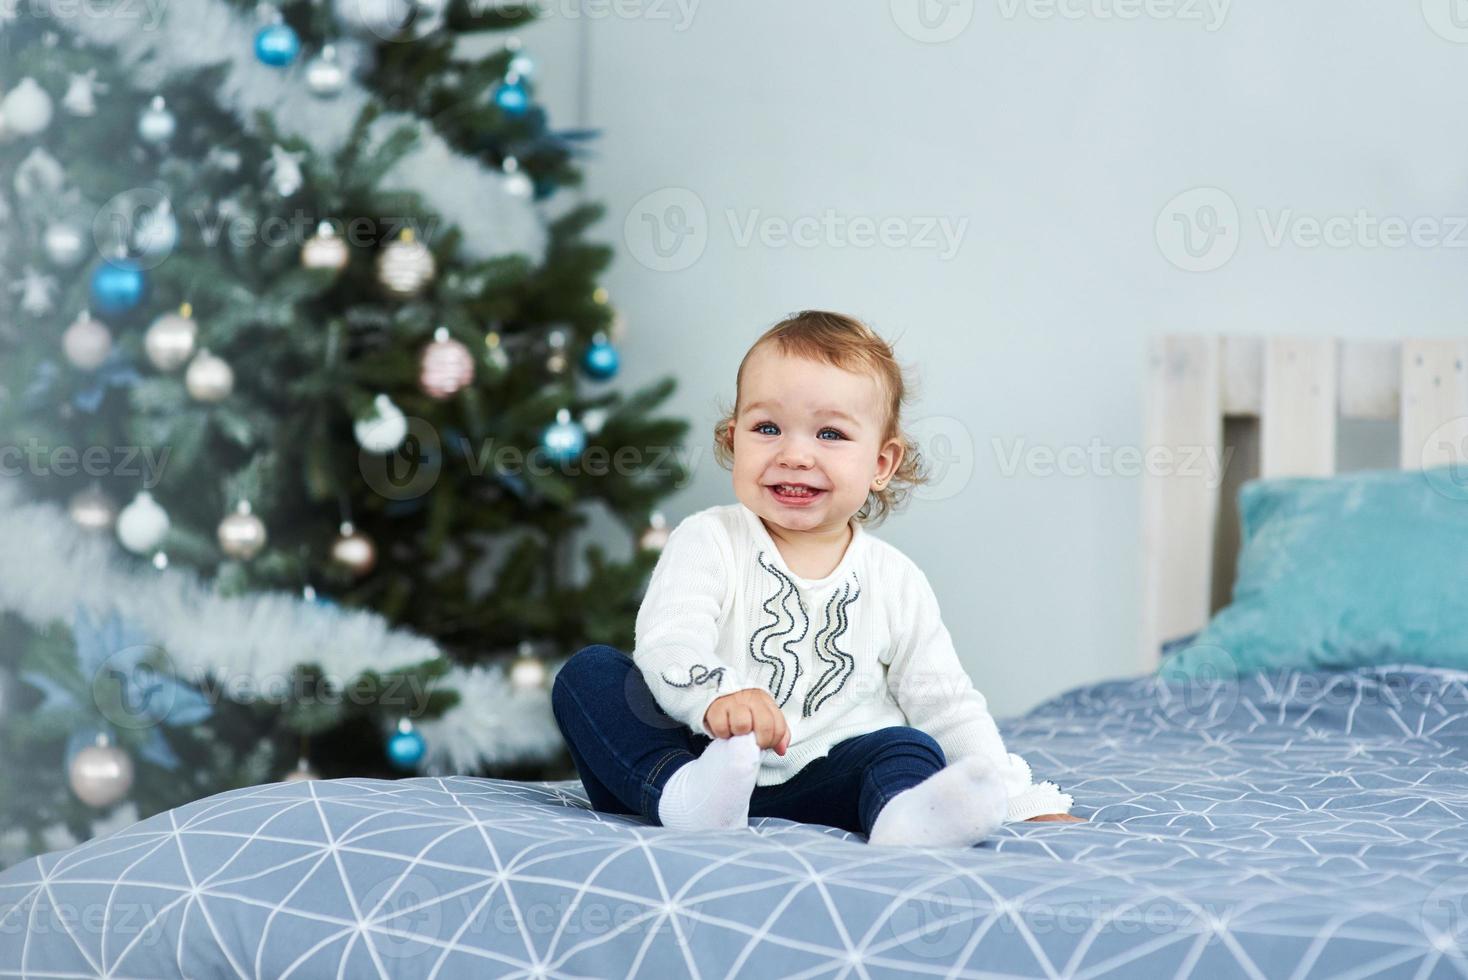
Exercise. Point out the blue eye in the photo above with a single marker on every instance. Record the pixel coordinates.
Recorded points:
(764, 424)
(838, 434)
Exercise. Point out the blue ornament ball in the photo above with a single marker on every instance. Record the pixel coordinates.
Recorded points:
(563, 439)
(117, 286)
(511, 98)
(277, 45)
(406, 747)
(600, 360)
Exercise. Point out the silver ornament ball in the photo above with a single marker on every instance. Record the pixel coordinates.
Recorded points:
(242, 534)
(209, 378)
(354, 551)
(86, 343)
(171, 338)
(101, 774)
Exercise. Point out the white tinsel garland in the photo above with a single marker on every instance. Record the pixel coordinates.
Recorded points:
(493, 721)
(228, 637)
(159, 40)
(255, 640)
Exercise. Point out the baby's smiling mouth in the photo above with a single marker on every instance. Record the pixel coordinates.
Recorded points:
(799, 491)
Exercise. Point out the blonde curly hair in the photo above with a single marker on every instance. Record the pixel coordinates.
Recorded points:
(851, 345)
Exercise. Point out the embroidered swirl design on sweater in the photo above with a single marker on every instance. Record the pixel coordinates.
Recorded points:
(785, 663)
(698, 675)
(840, 665)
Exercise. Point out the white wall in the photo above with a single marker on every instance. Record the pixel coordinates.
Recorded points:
(1059, 140)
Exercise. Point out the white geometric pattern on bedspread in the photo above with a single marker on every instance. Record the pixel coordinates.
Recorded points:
(1290, 825)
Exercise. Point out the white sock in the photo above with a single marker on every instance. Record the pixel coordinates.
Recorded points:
(712, 792)
(957, 806)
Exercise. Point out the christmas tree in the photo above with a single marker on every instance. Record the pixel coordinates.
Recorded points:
(299, 312)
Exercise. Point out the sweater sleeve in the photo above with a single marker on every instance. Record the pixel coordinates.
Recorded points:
(677, 627)
(937, 695)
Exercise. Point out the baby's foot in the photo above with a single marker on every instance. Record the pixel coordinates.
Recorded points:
(712, 792)
(957, 806)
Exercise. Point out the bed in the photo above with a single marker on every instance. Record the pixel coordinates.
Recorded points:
(1298, 824)
(1274, 823)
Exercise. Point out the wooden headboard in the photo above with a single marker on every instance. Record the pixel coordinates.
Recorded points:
(1296, 390)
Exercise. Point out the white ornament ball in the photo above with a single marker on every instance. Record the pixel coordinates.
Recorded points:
(86, 343)
(242, 534)
(384, 430)
(209, 378)
(142, 524)
(27, 108)
(325, 249)
(157, 124)
(171, 338)
(325, 75)
(92, 510)
(64, 245)
(514, 180)
(101, 774)
(405, 266)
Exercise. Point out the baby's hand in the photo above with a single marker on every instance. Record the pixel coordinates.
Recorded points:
(1058, 818)
(749, 711)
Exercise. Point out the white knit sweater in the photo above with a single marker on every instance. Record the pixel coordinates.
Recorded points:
(861, 649)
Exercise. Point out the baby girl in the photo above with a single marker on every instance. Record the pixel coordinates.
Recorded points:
(787, 662)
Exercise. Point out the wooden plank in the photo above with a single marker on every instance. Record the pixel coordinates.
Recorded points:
(1243, 375)
(1297, 421)
(1370, 379)
(1179, 506)
(1434, 428)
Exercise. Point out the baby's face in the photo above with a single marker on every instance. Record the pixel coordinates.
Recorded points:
(806, 422)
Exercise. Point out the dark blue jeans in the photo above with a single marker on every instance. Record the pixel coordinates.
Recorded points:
(625, 748)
